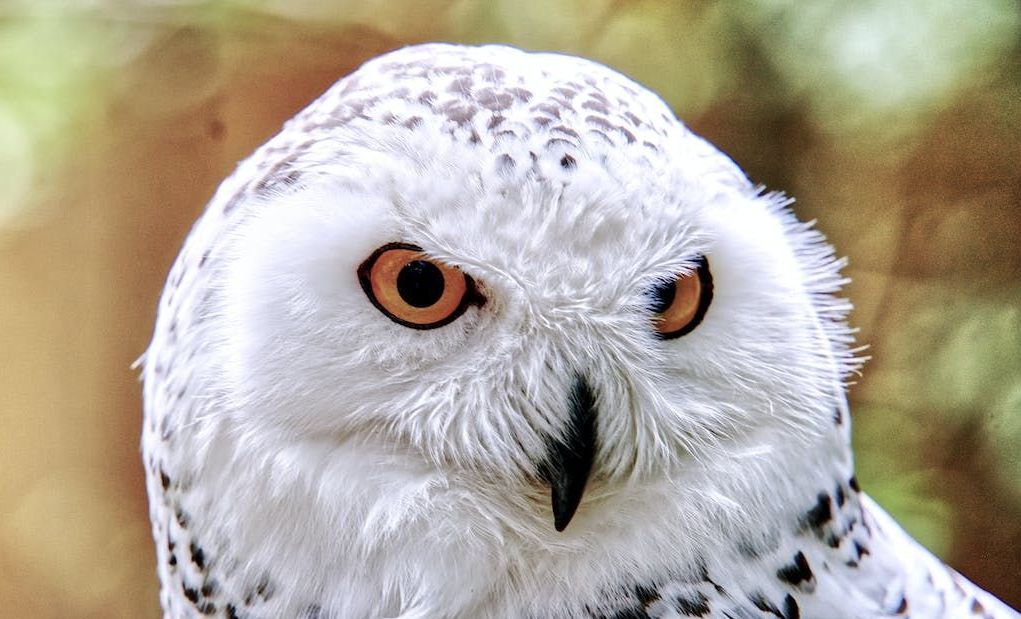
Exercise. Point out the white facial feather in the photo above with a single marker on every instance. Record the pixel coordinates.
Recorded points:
(309, 456)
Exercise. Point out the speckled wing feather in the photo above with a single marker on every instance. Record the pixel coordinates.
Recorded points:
(844, 558)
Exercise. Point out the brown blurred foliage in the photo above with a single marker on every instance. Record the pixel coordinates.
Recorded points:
(118, 120)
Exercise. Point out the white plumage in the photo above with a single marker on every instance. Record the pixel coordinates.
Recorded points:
(604, 379)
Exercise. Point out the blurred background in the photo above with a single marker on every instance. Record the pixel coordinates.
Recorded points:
(897, 125)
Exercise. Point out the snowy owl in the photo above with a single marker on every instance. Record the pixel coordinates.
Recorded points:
(485, 333)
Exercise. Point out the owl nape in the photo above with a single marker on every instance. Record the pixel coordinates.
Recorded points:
(469, 288)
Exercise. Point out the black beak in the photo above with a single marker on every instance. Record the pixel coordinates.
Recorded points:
(569, 459)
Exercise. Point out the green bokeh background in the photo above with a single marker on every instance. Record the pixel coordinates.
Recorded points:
(897, 125)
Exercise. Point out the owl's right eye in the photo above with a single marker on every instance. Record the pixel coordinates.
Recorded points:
(414, 290)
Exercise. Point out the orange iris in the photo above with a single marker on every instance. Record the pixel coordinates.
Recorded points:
(414, 290)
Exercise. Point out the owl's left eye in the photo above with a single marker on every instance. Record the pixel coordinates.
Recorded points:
(414, 290)
(679, 304)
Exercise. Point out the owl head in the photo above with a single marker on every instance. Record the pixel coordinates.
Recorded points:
(519, 270)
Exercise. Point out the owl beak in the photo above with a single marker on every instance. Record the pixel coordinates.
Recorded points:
(569, 458)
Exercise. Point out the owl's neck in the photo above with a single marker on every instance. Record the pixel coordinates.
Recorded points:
(318, 521)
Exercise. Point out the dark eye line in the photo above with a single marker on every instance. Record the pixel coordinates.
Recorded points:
(382, 249)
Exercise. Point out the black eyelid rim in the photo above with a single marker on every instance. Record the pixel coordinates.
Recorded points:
(705, 299)
(364, 271)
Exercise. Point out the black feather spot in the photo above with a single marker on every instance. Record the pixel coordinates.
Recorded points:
(264, 590)
(697, 606)
(821, 512)
(790, 608)
(198, 556)
(860, 549)
(797, 571)
(209, 587)
(760, 602)
(645, 594)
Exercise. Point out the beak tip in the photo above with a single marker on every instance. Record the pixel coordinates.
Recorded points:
(566, 497)
(569, 460)
(561, 519)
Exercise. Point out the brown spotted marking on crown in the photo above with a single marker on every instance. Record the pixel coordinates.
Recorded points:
(492, 97)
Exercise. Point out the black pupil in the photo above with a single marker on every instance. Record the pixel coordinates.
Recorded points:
(662, 296)
(420, 283)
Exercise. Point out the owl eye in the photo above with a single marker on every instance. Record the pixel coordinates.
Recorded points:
(680, 304)
(414, 290)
